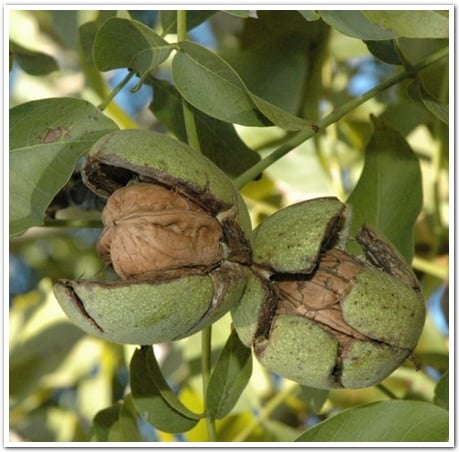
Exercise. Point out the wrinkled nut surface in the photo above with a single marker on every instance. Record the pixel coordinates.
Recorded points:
(151, 232)
(177, 233)
(327, 319)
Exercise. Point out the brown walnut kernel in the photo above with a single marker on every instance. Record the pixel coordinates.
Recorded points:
(152, 232)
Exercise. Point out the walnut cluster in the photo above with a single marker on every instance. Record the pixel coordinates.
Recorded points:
(152, 232)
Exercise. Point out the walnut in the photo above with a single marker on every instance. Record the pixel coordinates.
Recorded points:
(176, 231)
(153, 232)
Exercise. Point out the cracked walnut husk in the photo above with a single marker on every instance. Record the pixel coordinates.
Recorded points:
(319, 315)
(176, 232)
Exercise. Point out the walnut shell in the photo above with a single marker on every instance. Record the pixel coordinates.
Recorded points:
(151, 232)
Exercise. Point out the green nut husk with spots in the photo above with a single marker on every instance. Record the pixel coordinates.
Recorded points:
(176, 232)
(318, 315)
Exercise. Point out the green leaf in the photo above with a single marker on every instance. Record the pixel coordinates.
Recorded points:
(32, 62)
(291, 52)
(435, 78)
(405, 116)
(441, 397)
(218, 140)
(117, 423)
(388, 195)
(154, 399)
(128, 421)
(384, 50)
(411, 23)
(280, 117)
(209, 83)
(441, 111)
(47, 138)
(130, 44)
(285, 53)
(356, 25)
(193, 19)
(438, 109)
(229, 377)
(104, 423)
(391, 420)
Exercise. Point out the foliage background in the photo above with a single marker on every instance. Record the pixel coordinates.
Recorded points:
(59, 377)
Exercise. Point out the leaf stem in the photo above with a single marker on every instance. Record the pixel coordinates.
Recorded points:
(116, 90)
(386, 391)
(206, 349)
(181, 25)
(188, 116)
(333, 117)
(206, 333)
